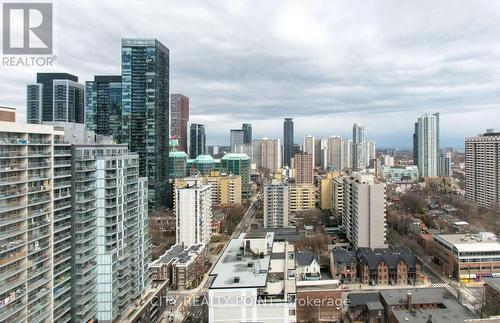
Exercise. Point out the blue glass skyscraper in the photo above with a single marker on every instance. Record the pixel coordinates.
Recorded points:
(145, 125)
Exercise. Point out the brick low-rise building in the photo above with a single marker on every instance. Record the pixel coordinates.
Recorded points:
(183, 267)
(343, 265)
(388, 267)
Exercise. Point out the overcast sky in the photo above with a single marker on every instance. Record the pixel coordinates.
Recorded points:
(327, 64)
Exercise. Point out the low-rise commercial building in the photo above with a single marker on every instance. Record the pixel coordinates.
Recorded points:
(468, 257)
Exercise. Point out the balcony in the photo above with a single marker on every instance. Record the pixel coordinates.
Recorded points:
(11, 245)
(13, 154)
(61, 205)
(12, 230)
(61, 184)
(33, 213)
(10, 180)
(86, 168)
(85, 188)
(12, 167)
(9, 310)
(39, 141)
(12, 257)
(12, 206)
(39, 165)
(11, 283)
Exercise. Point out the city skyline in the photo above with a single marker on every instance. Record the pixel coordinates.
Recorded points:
(256, 79)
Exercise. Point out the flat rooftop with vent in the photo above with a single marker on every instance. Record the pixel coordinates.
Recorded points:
(244, 262)
(254, 279)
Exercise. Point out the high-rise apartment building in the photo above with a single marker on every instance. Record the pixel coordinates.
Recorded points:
(236, 140)
(247, 133)
(359, 147)
(482, 169)
(445, 168)
(363, 213)
(110, 231)
(193, 211)
(276, 205)
(427, 144)
(304, 170)
(27, 226)
(308, 145)
(197, 140)
(179, 118)
(145, 111)
(347, 151)
(302, 197)
(267, 153)
(55, 97)
(287, 142)
(67, 209)
(103, 105)
(334, 149)
(371, 150)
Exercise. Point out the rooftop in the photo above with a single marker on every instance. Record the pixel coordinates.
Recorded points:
(236, 270)
(356, 299)
(234, 156)
(304, 257)
(204, 158)
(471, 242)
(450, 310)
(169, 255)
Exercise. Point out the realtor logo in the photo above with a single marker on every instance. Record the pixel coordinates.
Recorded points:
(27, 28)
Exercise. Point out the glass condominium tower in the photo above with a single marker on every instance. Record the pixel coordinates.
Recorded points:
(55, 97)
(103, 105)
(145, 111)
(287, 142)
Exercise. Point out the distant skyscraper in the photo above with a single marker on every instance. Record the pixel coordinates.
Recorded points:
(247, 133)
(267, 153)
(445, 168)
(145, 109)
(371, 150)
(236, 139)
(482, 169)
(103, 106)
(427, 139)
(334, 149)
(347, 151)
(179, 117)
(415, 145)
(308, 145)
(359, 146)
(55, 97)
(303, 166)
(197, 140)
(287, 142)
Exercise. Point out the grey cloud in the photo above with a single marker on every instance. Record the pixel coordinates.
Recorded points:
(382, 62)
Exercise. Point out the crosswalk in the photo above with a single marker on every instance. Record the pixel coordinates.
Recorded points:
(442, 285)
